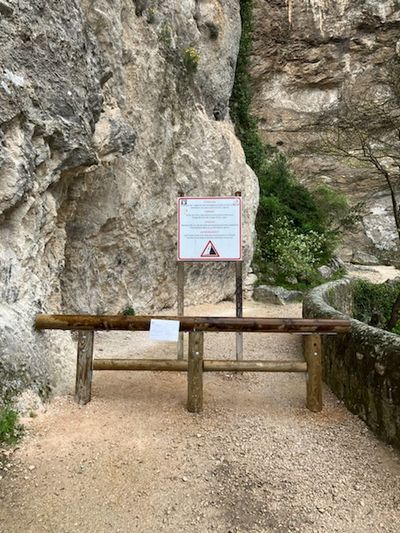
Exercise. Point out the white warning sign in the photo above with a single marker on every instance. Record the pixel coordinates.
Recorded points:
(210, 228)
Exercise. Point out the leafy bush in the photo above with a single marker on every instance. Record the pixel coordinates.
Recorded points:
(373, 303)
(128, 311)
(10, 430)
(191, 59)
(151, 15)
(166, 35)
(293, 252)
(281, 194)
(335, 209)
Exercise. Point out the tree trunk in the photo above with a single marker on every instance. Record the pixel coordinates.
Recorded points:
(395, 205)
(395, 317)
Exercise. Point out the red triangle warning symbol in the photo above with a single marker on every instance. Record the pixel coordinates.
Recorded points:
(210, 250)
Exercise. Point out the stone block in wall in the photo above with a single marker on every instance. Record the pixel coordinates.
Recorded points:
(276, 295)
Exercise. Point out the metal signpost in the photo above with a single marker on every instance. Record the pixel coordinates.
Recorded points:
(210, 229)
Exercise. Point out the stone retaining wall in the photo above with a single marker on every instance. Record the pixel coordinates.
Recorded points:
(362, 367)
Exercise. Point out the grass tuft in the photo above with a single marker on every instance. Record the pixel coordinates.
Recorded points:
(10, 429)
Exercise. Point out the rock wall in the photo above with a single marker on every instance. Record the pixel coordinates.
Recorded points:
(305, 52)
(361, 367)
(101, 124)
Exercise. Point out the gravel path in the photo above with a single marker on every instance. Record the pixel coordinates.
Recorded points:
(375, 274)
(256, 460)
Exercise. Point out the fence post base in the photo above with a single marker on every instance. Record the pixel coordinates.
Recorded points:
(195, 372)
(84, 367)
(312, 355)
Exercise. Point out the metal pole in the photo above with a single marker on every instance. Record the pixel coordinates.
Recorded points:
(239, 302)
(239, 309)
(181, 305)
(180, 299)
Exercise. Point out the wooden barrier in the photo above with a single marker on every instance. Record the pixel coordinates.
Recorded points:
(196, 365)
(209, 365)
(84, 367)
(312, 355)
(195, 372)
(187, 323)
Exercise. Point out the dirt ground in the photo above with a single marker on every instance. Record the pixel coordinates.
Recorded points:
(256, 460)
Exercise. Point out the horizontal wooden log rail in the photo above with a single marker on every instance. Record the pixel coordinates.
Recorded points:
(165, 365)
(209, 365)
(211, 324)
(196, 365)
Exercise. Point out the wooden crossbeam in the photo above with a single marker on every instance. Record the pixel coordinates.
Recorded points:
(209, 365)
(209, 324)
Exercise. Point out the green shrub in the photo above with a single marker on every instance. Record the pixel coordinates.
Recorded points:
(151, 15)
(291, 199)
(191, 59)
(165, 35)
(294, 253)
(128, 311)
(335, 209)
(10, 430)
(373, 303)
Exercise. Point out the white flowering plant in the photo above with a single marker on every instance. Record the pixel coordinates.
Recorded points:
(294, 253)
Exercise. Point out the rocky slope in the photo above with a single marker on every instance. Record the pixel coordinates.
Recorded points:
(101, 123)
(305, 53)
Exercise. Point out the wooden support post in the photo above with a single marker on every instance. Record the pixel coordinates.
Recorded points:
(195, 372)
(312, 355)
(84, 367)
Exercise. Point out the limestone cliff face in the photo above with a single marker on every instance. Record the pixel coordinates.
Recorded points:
(305, 52)
(101, 124)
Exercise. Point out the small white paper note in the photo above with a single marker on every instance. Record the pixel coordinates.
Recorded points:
(164, 330)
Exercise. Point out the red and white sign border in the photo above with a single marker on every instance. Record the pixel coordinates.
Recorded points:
(200, 259)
